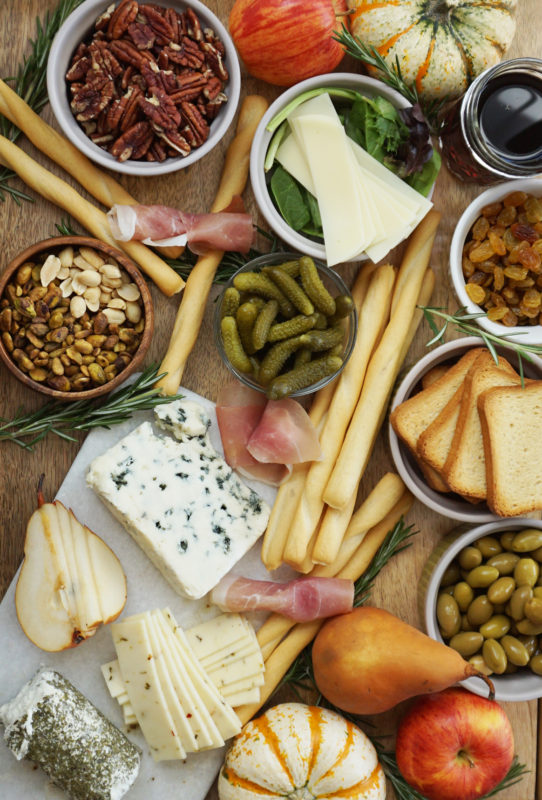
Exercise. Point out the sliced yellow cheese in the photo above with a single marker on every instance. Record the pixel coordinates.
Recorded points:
(113, 678)
(142, 683)
(235, 652)
(243, 697)
(242, 668)
(217, 635)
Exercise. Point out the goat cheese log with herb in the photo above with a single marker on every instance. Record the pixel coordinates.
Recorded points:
(181, 502)
(51, 723)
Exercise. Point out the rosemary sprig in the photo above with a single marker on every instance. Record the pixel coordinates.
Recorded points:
(82, 415)
(391, 75)
(300, 676)
(30, 84)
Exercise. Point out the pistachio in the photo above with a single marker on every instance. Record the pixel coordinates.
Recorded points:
(80, 383)
(56, 320)
(6, 319)
(96, 373)
(110, 372)
(38, 374)
(74, 355)
(24, 273)
(8, 341)
(22, 360)
(110, 342)
(57, 335)
(100, 322)
(128, 336)
(83, 347)
(33, 339)
(59, 382)
(25, 306)
(57, 366)
(96, 340)
(38, 328)
(35, 274)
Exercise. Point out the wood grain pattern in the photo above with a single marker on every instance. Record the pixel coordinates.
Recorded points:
(193, 189)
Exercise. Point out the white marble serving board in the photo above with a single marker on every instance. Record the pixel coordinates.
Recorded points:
(19, 658)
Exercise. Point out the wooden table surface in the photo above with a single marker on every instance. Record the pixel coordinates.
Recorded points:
(193, 189)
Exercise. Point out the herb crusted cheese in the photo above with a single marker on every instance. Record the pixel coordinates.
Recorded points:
(183, 505)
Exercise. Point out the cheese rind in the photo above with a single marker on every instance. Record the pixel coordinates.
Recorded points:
(183, 505)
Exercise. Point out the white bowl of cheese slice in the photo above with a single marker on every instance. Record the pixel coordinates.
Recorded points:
(366, 210)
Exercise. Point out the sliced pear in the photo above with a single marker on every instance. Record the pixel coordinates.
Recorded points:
(64, 524)
(108, 576)
(51, 526)
(86, 593)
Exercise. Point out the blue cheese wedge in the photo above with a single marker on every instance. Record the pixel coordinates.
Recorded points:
(183, 505)
(183, 419)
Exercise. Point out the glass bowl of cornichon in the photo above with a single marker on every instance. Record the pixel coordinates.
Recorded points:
(285, 324)
(481, 594)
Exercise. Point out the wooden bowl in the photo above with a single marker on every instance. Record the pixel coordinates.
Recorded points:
(55, 244)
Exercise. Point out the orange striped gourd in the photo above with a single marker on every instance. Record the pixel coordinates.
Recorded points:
(302, 752)
(441, 45)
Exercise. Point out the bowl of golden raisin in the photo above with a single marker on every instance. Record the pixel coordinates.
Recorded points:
(496, 260)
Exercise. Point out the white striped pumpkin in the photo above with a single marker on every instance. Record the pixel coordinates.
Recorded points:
(302, 752)
(442, 45)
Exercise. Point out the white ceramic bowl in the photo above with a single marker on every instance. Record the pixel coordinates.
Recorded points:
(449, 505)
(528, 334)
(521, 686)
(361, 83)
(76, 28)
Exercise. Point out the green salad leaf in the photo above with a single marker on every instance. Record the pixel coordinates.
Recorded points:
(289, 199)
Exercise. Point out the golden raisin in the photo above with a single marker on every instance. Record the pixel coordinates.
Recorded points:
(481, 253)
(510, 319)
(530, 259)
(515, 199)
(496, 243)
(475, 293)
(480, 229)
(491, 210)
(497, 313)
(533, 208)
(468, 266)
(498, 278)
(507, 216)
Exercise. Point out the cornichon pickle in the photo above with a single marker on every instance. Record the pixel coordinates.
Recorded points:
(230, 302)
(303, 376)
(291, 268)
(264, 320)
(276, 357)
(469, 558)
(292, 327)
(516, 604)
(318, 341)
(488, 546)
(232, 345)
(246, 316)
(497, 626)
(463, 595)
(257, 283)
(494, 655)
(479, 611)
(291, 289)
(504, 562)
(516, 652)
(526, 572)
(482, 576)
(302, 356)
(527, 540)
(448, 616)
(343, 307)
(467, 643)
(501, 590)
(314, 288)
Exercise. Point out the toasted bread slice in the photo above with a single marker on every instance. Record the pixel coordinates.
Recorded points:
(433, 375)
(413, 416)
(435, 442)
(465, 468)
(511, 420)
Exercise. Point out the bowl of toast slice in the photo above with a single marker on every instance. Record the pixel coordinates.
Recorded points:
(465, 431)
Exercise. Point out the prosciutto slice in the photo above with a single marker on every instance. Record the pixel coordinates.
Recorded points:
(302, 600)
(238, 412)
(285, 434)
(161, 225)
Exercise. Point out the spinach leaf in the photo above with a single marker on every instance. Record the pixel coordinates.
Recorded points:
(424, 179)
(314, 209)
(289, 199)
(355, 121)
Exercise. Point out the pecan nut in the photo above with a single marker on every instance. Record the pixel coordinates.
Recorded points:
(134, 142)
(120, 19)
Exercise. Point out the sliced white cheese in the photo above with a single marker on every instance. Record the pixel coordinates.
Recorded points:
(213, 662)
(244, 667)
(291, 157)
(247, 696)
(139, 673)
(113, 678)
(250, 682)
(217, 635)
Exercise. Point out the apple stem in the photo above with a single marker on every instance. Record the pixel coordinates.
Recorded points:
(468, 759)
(41, 498)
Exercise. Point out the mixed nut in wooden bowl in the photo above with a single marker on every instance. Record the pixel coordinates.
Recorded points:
(76, 317)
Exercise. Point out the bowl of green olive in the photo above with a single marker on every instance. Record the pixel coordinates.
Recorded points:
(481, 594)
(285, 324)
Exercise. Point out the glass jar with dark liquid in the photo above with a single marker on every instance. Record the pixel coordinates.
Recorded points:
(494, 132)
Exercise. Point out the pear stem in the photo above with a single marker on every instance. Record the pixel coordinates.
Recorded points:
(491, 695)
(41, 498)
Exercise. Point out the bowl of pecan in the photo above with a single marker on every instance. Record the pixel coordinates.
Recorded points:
(496, 260)
(143, 89)
(76, 317)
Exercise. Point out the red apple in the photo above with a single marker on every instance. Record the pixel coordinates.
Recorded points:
(285, 41)
(454, 744)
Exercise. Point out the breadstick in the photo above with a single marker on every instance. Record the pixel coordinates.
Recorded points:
(289, 492)
(389, 488)
(62, 194)
(192, 307)
(428, 284)
(278, 662)
(373, 316)
(60, 150)
(332, 530)
(382, 370)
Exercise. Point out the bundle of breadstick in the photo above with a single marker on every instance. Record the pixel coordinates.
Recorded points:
(311, 516)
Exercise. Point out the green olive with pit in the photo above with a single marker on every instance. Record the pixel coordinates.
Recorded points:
(533, 610)
(528, 628)
(465, 624)
(451, 575)
(496, 627)
(527, 540)
(482, 576)
(467, 643)
(526, 572)
(501, 590)
(504, 562)
(535, 664)
(515, 651)
(463, 595)
(469, 558)
(480, 665)
(489, 546)
(506, 539)
(516, 604)
(448, 615)
(494, 656)
(479, 611)
(530, 643)
(537, 554)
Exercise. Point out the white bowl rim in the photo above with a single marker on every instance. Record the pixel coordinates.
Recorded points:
(503, 690)
(526, 334)
(457, 509)
(60, 55)
(262, 138)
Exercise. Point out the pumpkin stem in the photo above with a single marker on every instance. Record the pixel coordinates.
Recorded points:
(438, 10)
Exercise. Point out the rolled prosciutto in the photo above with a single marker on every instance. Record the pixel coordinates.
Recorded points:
(303, 599)
(161, 226)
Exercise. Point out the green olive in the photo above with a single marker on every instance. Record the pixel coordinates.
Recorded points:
(533, 610)
(448, 616)
(510, 669)
(530, 643)
(489, 546)
(516, 652)
(482, 576)
(507, 539)
(480, 665)
(526, 572)
(479, 611)
(536, 664)
(527, 540)
(467, 643)
(448, 590)
(537, 591)
(504, 562)
(528, 628)
(494, 656)
(537, 554)
(518, 600)
(464, 595)
(465, 624)
(451, 574)
(469, 558)
(497, 626)
(501, 591)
